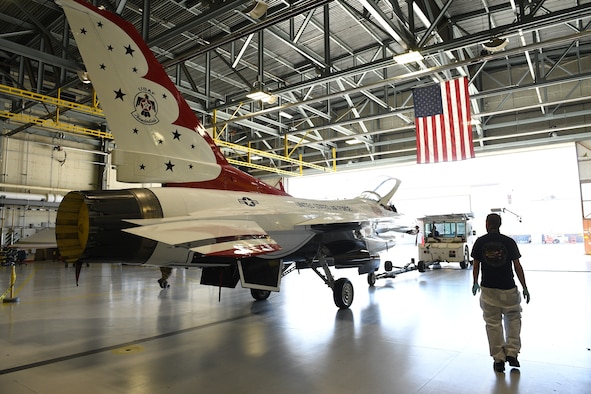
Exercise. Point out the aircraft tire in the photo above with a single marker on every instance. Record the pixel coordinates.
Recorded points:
(371, 279)
(464, 264)
(343, 293)
(422, 266)
(260, 295)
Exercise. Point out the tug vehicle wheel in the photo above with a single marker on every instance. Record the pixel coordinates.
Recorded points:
(422, 266)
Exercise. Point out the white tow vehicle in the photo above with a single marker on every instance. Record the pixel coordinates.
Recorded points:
(446, 238)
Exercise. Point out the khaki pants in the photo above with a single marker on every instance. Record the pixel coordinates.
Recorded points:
(502, 310)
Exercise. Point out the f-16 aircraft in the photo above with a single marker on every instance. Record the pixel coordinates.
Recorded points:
(207, 213)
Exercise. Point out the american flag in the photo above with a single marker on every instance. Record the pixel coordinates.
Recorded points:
(442, 122)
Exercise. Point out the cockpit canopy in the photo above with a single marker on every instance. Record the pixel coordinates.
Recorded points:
(383, 192)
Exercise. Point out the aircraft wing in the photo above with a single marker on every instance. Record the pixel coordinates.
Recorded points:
(221, 237)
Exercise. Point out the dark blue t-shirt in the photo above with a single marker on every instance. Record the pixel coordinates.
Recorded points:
(496, 252)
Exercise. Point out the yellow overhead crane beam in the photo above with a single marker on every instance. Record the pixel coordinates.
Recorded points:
(95, 110)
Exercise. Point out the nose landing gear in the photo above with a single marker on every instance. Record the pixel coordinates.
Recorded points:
(342, 289)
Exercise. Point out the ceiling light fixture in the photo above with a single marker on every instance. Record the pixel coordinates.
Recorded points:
(353, 141)
(408, 57)
(285, 115)
(257, 9)
(83, 76)
(496, 44)
(259, 93)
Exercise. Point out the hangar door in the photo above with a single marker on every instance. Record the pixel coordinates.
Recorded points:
(584, 162)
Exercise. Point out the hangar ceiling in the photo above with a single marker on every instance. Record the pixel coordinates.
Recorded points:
(329, 66)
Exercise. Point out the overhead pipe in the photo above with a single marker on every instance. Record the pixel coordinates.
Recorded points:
(32, 197)
(51, 190)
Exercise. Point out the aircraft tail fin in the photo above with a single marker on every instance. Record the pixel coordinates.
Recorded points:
(158, 137)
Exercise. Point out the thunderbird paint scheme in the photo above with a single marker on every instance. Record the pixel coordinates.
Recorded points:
(207, 214)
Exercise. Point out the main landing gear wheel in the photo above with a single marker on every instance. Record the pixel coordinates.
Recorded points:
(343, 293)
(260, 295)
(464, 264)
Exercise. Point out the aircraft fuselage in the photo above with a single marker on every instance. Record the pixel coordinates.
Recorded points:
(127, 225)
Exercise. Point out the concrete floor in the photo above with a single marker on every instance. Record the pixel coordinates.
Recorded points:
(118, 332)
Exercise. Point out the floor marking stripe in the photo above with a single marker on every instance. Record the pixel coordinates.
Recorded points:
(114, 347)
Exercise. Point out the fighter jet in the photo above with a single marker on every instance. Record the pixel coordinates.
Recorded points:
(207, 214)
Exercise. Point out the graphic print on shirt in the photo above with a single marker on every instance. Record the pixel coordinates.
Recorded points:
(495, 254)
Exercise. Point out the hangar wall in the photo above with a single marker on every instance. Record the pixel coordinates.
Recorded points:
(42, 162)
(36, 171)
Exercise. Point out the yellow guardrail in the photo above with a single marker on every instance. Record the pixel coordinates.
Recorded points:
(261, 153)
(51, 124)
(51, 100)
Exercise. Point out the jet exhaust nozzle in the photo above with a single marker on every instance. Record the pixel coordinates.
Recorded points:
(89, 225)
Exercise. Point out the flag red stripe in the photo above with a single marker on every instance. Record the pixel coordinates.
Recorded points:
(449, 131)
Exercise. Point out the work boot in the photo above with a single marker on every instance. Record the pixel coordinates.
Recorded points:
(163, 283)
(499, 366)
(513, 361)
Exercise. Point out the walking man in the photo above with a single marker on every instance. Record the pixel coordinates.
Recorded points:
(498, 255)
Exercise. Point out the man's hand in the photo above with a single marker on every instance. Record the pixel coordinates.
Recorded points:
(526, 295)
(476, 288)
